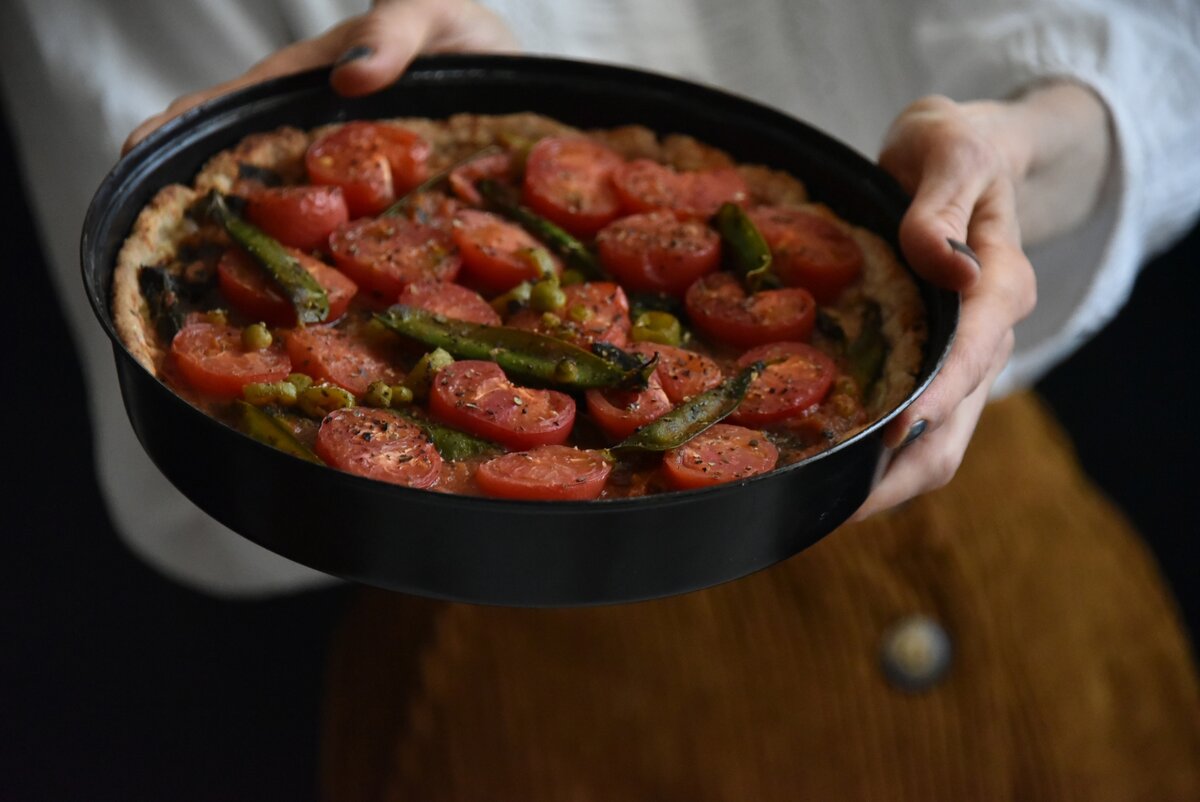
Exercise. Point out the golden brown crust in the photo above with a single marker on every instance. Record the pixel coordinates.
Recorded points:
(281, 151)
(155, 239)
(162, 226)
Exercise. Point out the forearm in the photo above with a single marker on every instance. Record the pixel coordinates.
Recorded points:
(1060, 168)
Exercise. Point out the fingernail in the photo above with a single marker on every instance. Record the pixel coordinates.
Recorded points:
(916, 430)
(965, 250)
(353, 54)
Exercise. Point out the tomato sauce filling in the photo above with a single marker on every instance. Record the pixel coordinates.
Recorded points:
(550, 444)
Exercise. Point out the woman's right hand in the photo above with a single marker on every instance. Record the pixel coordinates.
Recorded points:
(370, 51)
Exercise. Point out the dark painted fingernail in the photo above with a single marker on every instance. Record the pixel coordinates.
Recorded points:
(965, 250)
(353, 54)
(916, 430)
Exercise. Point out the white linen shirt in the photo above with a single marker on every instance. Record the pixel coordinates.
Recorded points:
(78, 76)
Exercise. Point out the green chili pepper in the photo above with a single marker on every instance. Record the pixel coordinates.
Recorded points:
(266, 428)
(297, 284)
(692, 417)
(523, 355)
(621, 358)
(865, 354)
(572, 250)
(402, 205)
(750, 252)
(451, 443)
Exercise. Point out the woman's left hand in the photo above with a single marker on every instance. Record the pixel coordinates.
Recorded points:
(967, 167)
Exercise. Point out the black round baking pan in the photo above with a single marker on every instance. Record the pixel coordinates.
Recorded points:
(479, 549)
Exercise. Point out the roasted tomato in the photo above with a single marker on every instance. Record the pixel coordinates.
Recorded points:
(568, 180)
(620, 412)
(213, 360)
(597, 311)
(683, 373)
(373, 163)
(720, 308)
(302, 217)
(478, 398)
(462, 179)
(452, 300)
(657, 252)
(496, 254)
(251, 291)
(809, 250)
(720, 454)
(335, 355)
(549, 473)
(384, 255)
(797, 378)
(378, 444)
(643, 185)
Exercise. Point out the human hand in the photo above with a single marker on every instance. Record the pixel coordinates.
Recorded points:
(974, 170)
(370, 50)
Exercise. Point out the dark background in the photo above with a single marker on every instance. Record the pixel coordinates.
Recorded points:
(117, 684)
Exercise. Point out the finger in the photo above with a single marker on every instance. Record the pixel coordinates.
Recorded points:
(934, 231)
(378, 46)
(1004, 294)
(933, 460)
(291, 59)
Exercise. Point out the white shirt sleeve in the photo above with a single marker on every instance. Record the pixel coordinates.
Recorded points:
(1143, 61)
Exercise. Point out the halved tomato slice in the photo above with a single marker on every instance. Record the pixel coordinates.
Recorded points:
(596, 311)
(568, 180)
(722, 453)
(548, 473)
(683, 373)
(213, 360)
(620, 412)
(657, 252)
(720, 308)
(384, 255)
(302, 217)
(797, 378)
(334, 355)
(644, 186)
(378, 444)
(809, 250)
(477, 397)
(496, 253)
(373, 163)
(498, 167)
(249, 290)
(449, 299)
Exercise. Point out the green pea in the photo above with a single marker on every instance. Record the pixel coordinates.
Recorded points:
(579, 313)
(420, 379)
(551, 320)
(657, 327)
(300, 381)
(571, 277)
(262, 394)
(512, 300)
(256, 337)
(566, 370)
(321, 399)
(542, 261)
(217, 317)
(547, 296)
(379, 394)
